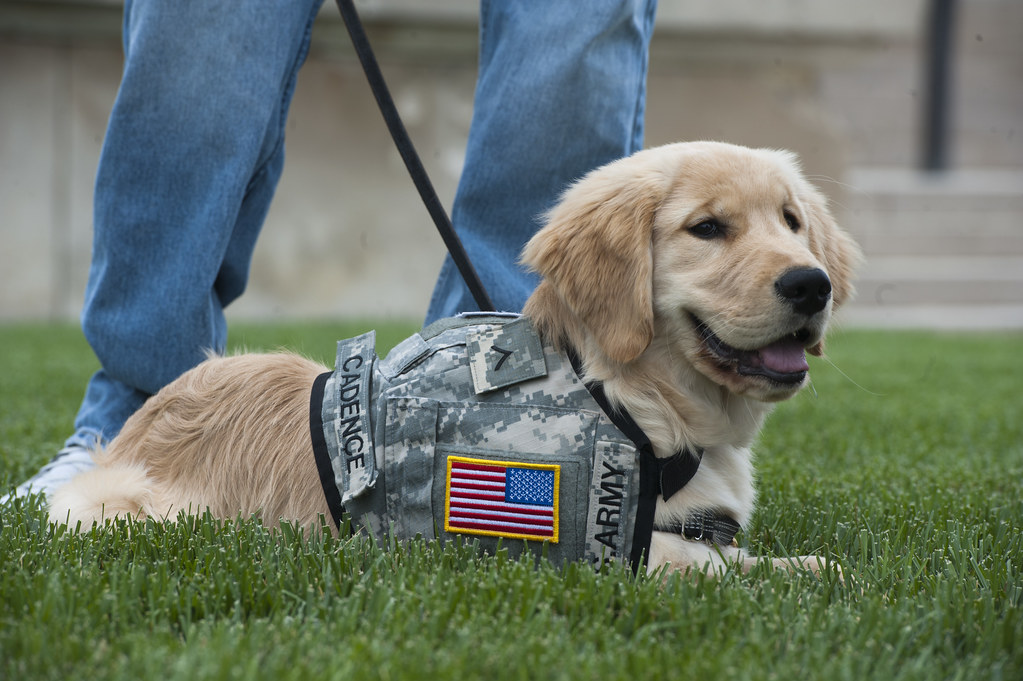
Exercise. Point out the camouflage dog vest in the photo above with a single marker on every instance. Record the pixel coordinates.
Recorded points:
(474, 428)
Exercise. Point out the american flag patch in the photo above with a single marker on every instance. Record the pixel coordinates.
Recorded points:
(502, 498)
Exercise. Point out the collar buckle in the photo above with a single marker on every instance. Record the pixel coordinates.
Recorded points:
(709, 527)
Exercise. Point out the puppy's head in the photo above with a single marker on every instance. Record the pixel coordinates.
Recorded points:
(724, 255)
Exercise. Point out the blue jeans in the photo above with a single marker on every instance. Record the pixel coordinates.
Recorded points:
(561, 91)
(195, 147)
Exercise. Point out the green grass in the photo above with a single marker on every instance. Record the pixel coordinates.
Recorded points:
(905, 463)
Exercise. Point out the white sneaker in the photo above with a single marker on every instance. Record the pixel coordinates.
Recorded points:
(68, 463)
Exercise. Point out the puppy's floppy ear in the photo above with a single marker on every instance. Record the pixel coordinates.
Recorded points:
(835, 249)
(833, 246)
(595, 251)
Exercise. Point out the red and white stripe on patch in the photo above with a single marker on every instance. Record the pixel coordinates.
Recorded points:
(502, 498)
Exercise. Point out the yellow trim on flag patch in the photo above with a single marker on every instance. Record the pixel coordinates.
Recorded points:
(512, 499)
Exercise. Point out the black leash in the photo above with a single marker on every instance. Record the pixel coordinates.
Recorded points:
(410, 157)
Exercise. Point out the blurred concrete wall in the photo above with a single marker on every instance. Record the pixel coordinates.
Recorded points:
(837, 82)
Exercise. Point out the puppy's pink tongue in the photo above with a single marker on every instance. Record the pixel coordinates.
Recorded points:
(785, 356)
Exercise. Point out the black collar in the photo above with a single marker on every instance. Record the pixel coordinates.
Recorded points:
(706, 526)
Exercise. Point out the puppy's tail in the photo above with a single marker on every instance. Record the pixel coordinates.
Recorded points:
(105, 492)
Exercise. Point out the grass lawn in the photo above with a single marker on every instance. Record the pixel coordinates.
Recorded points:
(904, 463)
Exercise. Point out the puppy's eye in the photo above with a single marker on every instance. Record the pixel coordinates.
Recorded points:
(792, 221)
(708, 229)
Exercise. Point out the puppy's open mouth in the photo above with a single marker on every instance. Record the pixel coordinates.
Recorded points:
(782, 361)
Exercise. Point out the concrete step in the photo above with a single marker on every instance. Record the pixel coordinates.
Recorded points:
(941, 279)
(905, 212)
(943, 251)
(933, 316)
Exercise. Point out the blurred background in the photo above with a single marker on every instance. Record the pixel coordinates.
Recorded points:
(908, 114)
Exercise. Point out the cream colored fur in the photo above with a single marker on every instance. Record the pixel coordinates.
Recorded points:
(231, 436)
(623, 277)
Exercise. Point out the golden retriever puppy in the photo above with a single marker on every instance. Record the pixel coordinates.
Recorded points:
(681, 288)
(711, 268)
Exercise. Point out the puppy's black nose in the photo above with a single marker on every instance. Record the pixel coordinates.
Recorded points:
(806, 290)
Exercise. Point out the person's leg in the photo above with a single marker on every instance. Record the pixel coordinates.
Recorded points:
(561, 90)
(192, 154)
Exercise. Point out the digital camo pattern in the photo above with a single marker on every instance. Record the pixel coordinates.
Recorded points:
(503, 355)
(408, 465)
(425, 405)
(612, 499)
(346, 416)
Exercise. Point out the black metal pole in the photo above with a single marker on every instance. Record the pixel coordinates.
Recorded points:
(938, 85)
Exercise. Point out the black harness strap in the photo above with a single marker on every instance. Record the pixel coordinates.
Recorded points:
(410, 157)
(657, 476)
(320, 452)
(676, 471)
